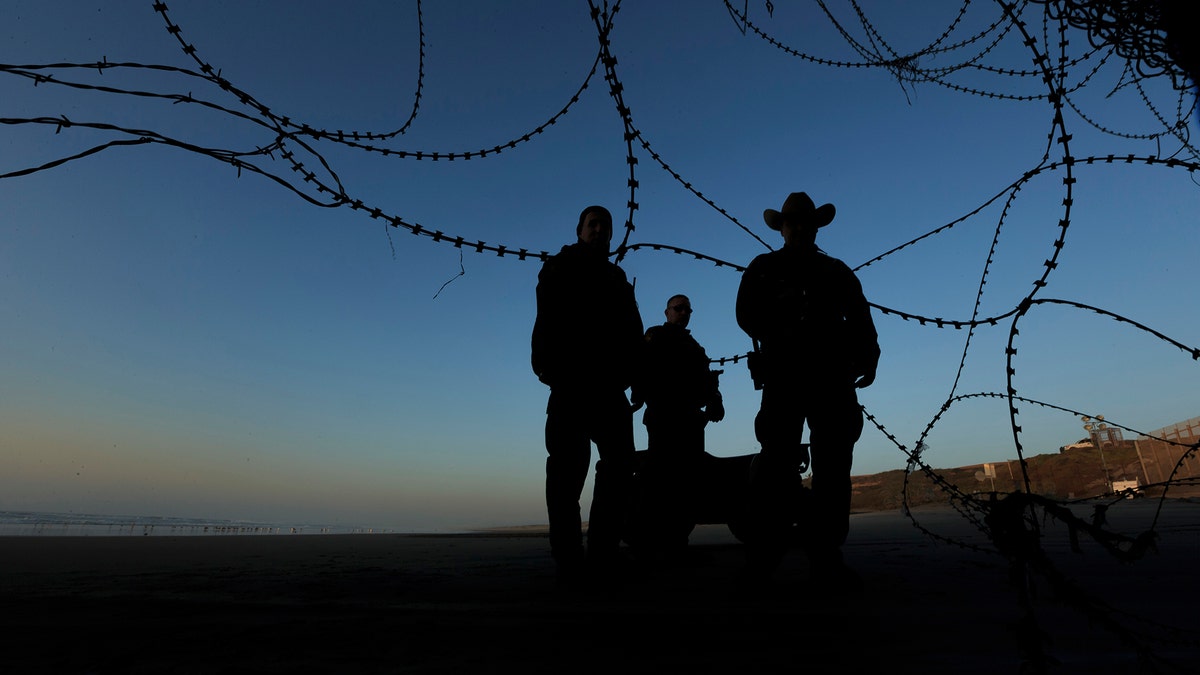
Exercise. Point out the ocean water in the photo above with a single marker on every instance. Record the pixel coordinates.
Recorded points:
(43, 524)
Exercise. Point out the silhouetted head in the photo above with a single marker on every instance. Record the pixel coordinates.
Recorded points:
(799, 218)
(679, 310)
(595, 227)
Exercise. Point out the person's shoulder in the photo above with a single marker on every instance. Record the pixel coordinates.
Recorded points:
(666, 333)
(565, 257)
(836, 263)
(578, 256)
(614, 272)
(557, 258)
(763, 260)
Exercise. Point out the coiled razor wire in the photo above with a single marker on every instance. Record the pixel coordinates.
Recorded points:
(1135, 33)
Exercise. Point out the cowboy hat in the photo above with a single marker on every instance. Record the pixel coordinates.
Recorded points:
(799, 209)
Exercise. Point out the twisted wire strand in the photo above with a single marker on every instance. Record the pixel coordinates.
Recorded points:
(214, 76)
(355, 138)
(905, 68)
(603, 18)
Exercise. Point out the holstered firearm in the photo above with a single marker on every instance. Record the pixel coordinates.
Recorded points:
(756, 364)
(714, 408)
(716, 378)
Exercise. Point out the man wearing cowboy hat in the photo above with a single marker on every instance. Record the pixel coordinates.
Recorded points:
(817, 345)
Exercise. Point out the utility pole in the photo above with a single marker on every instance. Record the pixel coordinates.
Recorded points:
(1094, 429)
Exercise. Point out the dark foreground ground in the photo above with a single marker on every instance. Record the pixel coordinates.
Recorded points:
(488, 603)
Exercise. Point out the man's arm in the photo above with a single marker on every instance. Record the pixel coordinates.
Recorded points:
(864, 337)
(749, 300)
(643, 379)
(750, 318)
(633, 335)
(545, 339)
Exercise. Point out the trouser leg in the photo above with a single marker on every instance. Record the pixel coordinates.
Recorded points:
(613, 434)
(686, 496)
(775, 478)
(836, 424)
(671, 480)
(568, 458)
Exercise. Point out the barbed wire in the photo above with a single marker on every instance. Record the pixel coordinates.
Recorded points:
(214, 75)
(1151, 34)
(1134, 34)
(1014, 531)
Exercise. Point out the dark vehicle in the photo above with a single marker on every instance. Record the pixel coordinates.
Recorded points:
(723, 497)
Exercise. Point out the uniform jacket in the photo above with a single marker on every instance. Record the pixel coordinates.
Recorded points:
(676, 380)
(808, 313)
(588, 330)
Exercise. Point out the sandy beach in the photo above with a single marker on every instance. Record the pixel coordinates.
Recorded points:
(488, 603)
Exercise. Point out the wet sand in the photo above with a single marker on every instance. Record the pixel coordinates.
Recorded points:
(488, 603)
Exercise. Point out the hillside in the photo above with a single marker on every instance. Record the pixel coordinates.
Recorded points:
(1074, 473)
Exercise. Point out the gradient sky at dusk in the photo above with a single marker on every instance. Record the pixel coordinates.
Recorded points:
(183, 340)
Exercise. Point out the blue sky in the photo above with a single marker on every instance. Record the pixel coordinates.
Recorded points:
(182, 340)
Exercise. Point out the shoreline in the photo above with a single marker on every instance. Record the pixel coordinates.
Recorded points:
(53, 524)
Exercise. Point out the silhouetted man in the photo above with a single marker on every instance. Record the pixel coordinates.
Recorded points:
(586, 342)
(681, 396)
(817, 344)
